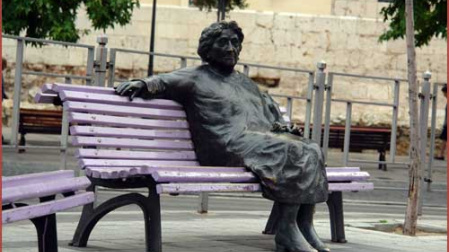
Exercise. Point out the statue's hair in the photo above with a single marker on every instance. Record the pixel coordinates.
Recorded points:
(209, 34)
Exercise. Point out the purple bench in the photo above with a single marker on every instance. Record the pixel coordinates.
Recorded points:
(147, 144)
(18, 193)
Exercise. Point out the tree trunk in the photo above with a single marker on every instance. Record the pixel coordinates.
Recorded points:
(415, 163)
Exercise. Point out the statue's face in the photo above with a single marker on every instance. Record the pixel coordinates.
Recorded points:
(225, 50)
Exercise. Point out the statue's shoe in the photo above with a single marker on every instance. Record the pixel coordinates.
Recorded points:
(312, 238)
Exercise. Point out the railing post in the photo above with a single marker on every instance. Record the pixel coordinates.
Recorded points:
(289, 108)
(424, 97)
(90, 66)
(246, 70)
(101, 61)
(394, 122)
(319, 98)
(17, 92)
(347, 134)
(111, 67)
(64, 137)
(309, 105)
(432, 134)
(424, 115)
(183, 62)
(327, 115)
(203, 202)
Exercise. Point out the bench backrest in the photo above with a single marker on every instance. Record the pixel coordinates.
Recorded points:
(115, 130)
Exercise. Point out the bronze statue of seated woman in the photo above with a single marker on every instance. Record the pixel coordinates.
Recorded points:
(234, 124)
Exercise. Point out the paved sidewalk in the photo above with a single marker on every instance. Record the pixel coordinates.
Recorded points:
(220, 231)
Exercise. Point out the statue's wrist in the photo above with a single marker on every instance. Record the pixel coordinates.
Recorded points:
(141, 80)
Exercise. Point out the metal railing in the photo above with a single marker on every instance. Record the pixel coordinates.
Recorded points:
(394, 105)
(19, 72)
(318, 97)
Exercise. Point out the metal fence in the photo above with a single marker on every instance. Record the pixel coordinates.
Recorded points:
(320, 85)
(19, 72)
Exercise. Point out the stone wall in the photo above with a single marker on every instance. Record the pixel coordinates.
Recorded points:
(348, 44)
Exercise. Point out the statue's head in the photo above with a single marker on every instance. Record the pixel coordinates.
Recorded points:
(221, 43)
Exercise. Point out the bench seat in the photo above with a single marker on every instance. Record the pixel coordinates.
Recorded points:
(147, 144)
(19, 194)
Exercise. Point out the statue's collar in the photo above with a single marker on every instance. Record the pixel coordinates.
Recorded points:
(219, 73)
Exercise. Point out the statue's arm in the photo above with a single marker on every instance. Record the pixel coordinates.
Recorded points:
(164, 86)
(148, 88)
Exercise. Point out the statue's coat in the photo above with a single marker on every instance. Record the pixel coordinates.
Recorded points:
(230, 122)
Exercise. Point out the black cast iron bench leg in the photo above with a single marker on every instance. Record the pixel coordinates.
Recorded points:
(271, 227)
(151, 210)
(337, 223)
(47, 237)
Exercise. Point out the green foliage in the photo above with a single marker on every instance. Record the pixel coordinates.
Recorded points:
(230, 4)
(430, 20)
(55, 19)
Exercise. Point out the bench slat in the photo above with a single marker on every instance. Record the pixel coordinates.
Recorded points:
(131, 133)
(36, 190)
(173, 176)
(58, 87)
(27, 179)
(111, 171)
(117, 100)
(195, 173)
(131, 143)
(347, 176)
(124, 110)
(126, 163)
(213, 176)
(251, 187)
(47, 88)
(125, 121)
(45, 98)
(207, 187)
(133, 155)
(342, 169)
(46, 208)
(351, 187)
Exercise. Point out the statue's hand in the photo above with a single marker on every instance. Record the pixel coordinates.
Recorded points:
(278, 127)
(295, 130)
(292, 129)
(133, 88)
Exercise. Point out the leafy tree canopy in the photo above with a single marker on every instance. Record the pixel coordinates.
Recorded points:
(230, 4)
(430, 20)
(55, 19)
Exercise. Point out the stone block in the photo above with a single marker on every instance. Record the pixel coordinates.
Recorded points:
(244, 19)
(285, 21)
(336, 40)
(258, 35)
(279, 37)
(396, 46)
(304, 23)
(324, 22)
(265, 20)
(347, 25)
(367, 27)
